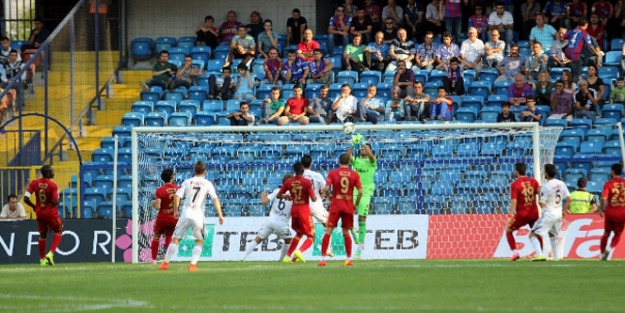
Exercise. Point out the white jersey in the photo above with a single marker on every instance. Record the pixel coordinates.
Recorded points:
(195, 191)
(280, 208)
(553, 194)
(318, 183)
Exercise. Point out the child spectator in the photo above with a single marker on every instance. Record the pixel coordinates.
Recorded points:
(531, 112)
(454, 80)
(245, 84)
(442, 107)
(243, 117)
(618, 93)
(505, 116)
(221, 87)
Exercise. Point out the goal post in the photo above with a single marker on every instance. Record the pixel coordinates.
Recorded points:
(418, 164)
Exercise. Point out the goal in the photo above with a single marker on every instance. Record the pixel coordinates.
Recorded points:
(423, 170)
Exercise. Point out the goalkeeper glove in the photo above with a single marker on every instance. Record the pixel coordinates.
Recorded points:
(357, 139)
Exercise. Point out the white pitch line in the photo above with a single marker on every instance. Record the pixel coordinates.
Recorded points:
(79, 304)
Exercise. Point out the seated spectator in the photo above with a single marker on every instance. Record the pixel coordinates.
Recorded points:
(555, 10)
(242, 47)
(256, 25)
(345, 106)
(377, 53)
(353, 55)
(186, 75)
(273, 68)
(510, 65)
(596, 30)
(221, 87)
(296, 107)
(162, 72)
(536, 62)
(389, 31)
(402, 49)
(207, 35)
(294, 69)
(453, 81)
(5, 50)
(502, 21)
(471, 51)
(10, 71)
(519, 91)
(38, 35)
(373, 11)
(543, 33)
(585, 102)
(371, 108)
(395, 107)
(418, 106)
(338, 31)
(532, 113)
(320, 108)
(267, 39)
(362, 25)
(426, 53)
(245, 85)
(574, 11)
(295, 26)
(441, 107)
(618, 92)
(583, 202)
(243, 117)
(350, 8)
(393, 11)
(446, 51)
(569, 85)
(604, 9)
(13, 209)
(595, 83)
(479, 22)
(307, 46)
(493, 50)
(561, 103)
(404, 78)
(434, 16)
(6, 105)
(529, 13)
(557, 56)
(320, 69)
(543, 88)
(414, 20)
(505, 116)
(273, 108)
(229, 29)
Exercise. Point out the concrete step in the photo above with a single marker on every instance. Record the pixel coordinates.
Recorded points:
(134, 77)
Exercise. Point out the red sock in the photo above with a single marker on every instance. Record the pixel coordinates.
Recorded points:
(42, 248)
(56, 240)
(348, 245)
(167, 242)
(615, 240)
(604, 242)
(307, 244)
(325, 242)
(293, 246)
(511, 241)
(154, 248)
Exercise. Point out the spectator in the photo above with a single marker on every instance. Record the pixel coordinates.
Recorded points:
(5, 50)
(583, 202)
(402, 49)
(307, 46)
(186, 75)
(453, 81)
(345, 106)
(569, 85)
(505, 116)
(243, 117)
(362, 25)
(561, 103)
(543, 88)
(543, 33)
(221, 87)
(510, 65)
(555, 11)
(536, 62)
(578, 41)
(445, 52)
(377, 53)
(479, 22)
(10, 70)
(256, 25)
(604, 9)
(296, 107)
(585, 102)
(395, 107)
(434, 16)
(403, 79)
(557, 56)
(519, 91)
(242, 47)
(426, 53)
(267, 39)
(493, 50)
(471, 51)
(618, 92)
(393, 11)
(418, 106)
(38, 35)
(207, 35)
(441, 108)
(596, 84)
(273, 67)
(320, 69)
(390, 31)
(273, 108)
(353, 55)
(452, 13)
(229, 29)
(350, 8)
(13, 209)
(503, 22)
(371, 108)
(320, 108)
(338, 31)
(162, 72)
(616, 24)
(373, 11)
(529, 12)
(294, 69)
(596, 30)
(295, 26)
(414, 20)
(531, 112)
(245, 85)
(623, 60)
(6, 104)
(574, 11)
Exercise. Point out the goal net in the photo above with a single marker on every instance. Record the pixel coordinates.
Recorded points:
(431, 170)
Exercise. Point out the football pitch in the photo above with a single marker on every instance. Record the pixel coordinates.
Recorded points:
(369, 286)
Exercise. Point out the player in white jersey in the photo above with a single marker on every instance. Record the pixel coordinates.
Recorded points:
(552, 194)
(195, 191)
(317, 210)
(277, 222)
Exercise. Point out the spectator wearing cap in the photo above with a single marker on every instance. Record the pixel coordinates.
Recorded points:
(582, 201)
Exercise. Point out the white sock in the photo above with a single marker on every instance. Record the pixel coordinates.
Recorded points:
(285, 248)
(250, 248)
(536, 244)
(555, 248)
(195, 255)
(171, 251)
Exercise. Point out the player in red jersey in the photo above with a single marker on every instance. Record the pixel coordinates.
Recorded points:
(524, 192)
(165, 220)
(47, 194)
(300, 191)
(343, 181)
(613, 204)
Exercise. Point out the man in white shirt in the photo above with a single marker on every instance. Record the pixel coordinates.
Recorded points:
(13, 210)
(504, 22)
(317, 209)
(195, 191)
(493, 50)
(471, 51)
(551, 195)
(345, 105)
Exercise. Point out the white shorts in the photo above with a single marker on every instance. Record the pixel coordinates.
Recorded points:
(274, 226)
(548, 224)
(198, 229)
(319, 212)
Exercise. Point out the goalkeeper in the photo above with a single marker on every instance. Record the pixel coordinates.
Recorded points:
(365, 163)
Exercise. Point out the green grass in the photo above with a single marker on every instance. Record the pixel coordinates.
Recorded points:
(370, 286)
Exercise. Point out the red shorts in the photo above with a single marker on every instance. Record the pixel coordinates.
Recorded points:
(614, 222)
(303, 225)
(347, 218)
(164, 225)
(522, 220)
(48, 220)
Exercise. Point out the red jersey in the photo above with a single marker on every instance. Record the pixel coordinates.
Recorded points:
(297, 105)
(301, 190)
(614, 191)
(525, 191)
(308, 47)
(46, 191)
(343, 182)
(166, 194)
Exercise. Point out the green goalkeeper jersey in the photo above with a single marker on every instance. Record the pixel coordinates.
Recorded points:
(366, 169)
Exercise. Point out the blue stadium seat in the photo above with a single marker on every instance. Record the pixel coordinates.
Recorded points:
(347, 77)
(581, 123)
(597, 135)
(264, 91)
(466, 115)
(359, 90)
(612, 147)
(606, 124)
(105, 210)
(389, 76)
(201, 53)
(144, 107)
(420, 75)
(173, 96)
(204, 118)
(497, 100)
(557, 122)
(442, 151)
(501, 88)
(215, 65)
(233, 105)
(335, 90)
(190, 106)
(97, 195)
(153, 95)
(480, 88)
(589, 147)
(132, 119)
(489, 75)
(492, 148)
(213, 106)
(575, 136)
(198, 93)
(384, 90)
(489, 114)
(177, 57)
(436, 76)
(221, 52)
(164, 43)
(431, 88)
(156, 119)
(124, 155)
(183, 40)
(608, 73)
(102, 155)
(613, 58)
(612, 110)
(370, 77)
(565, 150)
(166, 106)
(594, 187)
(312, 91)
(108, 143)
(616, 44)
(475, 102)
(141, 48)
(600, 174)
(180, 119)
